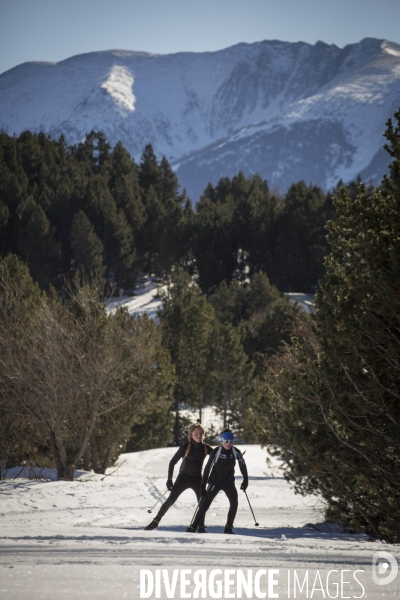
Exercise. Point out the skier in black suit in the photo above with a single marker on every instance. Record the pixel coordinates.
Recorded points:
(192, 454)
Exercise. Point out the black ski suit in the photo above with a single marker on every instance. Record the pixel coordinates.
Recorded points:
(222, 477)
(189, 473)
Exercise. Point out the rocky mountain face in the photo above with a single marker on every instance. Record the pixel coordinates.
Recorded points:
(287, 111)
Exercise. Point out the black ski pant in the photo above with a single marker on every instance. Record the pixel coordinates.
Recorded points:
(232, 495)
(182, 483)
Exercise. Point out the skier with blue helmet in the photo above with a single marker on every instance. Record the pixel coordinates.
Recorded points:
(219, 475)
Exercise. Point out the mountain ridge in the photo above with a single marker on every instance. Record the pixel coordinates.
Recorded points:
(284, 110)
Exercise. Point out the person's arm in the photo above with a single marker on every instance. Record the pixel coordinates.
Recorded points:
(177, 456)
(207, 468)
(243, 470)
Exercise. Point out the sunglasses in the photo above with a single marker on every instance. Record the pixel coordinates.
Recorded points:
(227, 441)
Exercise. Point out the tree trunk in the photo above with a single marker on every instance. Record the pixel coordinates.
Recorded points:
(106, 460)
(86, 459)
(66, 472)
(95, 457)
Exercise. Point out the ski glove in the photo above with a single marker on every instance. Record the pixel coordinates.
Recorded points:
(170, 485)
(203, 492)
(245, 484)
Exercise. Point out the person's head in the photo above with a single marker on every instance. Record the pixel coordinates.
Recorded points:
(196, 432)
(226, 439)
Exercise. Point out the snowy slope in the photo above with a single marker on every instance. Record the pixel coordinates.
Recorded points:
(286, 110)
(147, 299)
(85, 539)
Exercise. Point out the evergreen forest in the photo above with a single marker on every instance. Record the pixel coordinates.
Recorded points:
(79, 385)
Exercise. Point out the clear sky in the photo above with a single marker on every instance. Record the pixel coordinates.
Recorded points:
(52, 30)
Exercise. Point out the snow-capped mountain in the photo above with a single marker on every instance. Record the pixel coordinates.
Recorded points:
(288, 111)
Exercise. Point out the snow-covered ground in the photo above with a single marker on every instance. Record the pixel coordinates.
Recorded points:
(85, 539)
(147, 299)
(305, 301)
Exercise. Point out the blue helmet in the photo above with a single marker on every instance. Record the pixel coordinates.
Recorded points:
(226, 436)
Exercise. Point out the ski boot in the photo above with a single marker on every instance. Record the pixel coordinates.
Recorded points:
(229, 528)
(152, 525)
(201, 529)
(191, 529)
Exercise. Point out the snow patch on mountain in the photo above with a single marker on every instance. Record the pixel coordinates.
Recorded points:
(391, 49)
(119, 86)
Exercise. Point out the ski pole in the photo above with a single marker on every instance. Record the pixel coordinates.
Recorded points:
(150, 509)
(255, 522)
(196, 511)
(197, 508)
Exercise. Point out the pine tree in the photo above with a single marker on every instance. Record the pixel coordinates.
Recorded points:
(214, 248)
(95, 150)
(234, 230)
(187, 325)
(169, 184)
(127, 194)
(266, 320)
(4, 217)
(253, 224)
(86, 246)
(163, 233)
(233, 376)
(36, 242)
(359, 328)
(173, 243)
(300, 240)
(150, 172)
(153, 230)
(331, 403)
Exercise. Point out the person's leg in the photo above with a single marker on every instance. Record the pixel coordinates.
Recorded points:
(232, 496)
(196, 488)
(204, 506)
(180, 486)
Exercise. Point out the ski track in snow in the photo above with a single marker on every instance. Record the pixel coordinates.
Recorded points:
(85, 539)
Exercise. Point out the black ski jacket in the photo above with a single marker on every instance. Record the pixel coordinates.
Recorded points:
(192, 463)
(223, 471)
